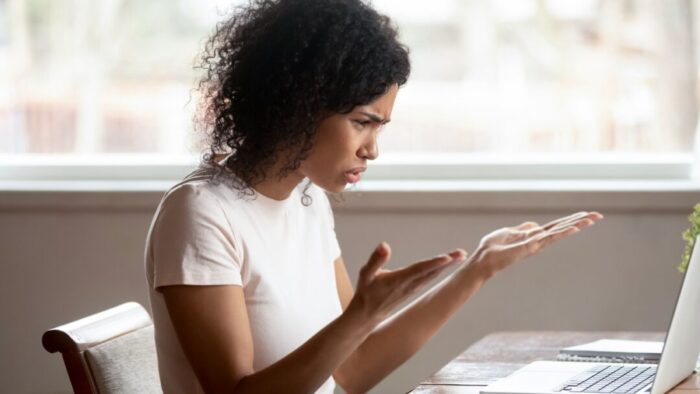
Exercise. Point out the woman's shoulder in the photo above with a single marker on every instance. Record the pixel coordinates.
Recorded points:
(198, 188)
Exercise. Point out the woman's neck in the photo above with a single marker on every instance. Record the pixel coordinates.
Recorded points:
(273, 186)
(278, 189)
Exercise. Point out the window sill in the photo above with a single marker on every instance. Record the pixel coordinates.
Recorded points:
(385, 196)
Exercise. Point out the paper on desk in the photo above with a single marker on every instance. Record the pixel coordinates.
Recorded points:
(648, 350)
(616, 350)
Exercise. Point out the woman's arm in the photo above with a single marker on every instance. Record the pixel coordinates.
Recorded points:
(399, 337)
(212, 327)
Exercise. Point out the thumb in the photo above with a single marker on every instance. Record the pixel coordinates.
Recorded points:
(380, 255)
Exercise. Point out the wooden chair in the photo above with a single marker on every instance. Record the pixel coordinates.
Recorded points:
(112, 351)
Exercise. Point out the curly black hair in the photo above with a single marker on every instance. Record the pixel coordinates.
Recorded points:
(276, 68)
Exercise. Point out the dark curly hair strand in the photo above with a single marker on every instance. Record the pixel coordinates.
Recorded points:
(276, 68)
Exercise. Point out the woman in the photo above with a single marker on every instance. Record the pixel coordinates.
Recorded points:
(248, 287)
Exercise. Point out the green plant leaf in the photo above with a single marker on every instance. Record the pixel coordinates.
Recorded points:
(689, 236)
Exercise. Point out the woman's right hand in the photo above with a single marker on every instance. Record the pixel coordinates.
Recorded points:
(379, 291)
(506, 246)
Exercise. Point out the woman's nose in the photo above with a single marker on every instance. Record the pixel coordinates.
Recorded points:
(369, 151)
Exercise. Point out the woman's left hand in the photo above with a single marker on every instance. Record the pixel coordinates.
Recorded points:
(503, 247)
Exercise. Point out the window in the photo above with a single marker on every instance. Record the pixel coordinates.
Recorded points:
(558, 76)
(605, 82)
(99, 76)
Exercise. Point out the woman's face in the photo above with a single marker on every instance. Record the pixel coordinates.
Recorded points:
(345, 142)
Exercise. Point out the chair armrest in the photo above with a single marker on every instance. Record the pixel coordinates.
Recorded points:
(92, 330)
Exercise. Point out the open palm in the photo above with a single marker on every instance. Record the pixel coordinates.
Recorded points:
(503, 247)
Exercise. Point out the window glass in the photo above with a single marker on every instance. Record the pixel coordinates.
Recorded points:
(489, 76)
(558, 76)
(100, 76)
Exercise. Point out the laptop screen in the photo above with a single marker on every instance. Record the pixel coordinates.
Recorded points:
(682, 345)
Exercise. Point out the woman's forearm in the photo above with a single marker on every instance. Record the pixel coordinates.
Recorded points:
(378, 293)
(306, 368)
(402, 335)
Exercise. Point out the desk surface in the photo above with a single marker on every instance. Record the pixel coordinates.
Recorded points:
(499, 354)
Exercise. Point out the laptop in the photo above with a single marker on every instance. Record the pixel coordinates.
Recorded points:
(678, 358)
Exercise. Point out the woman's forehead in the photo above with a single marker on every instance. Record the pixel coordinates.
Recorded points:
(382, 106)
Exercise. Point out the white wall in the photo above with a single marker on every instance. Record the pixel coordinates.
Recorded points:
(66, 255)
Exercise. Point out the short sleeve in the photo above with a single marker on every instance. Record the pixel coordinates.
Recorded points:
(192, 241)
(331, 235)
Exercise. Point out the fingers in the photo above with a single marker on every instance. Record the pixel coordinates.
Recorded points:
(459, 254)
(534, 231)
(580, 222)
(568, 227)
(380, 255)
(539, 237)
(534, 244)
(582, 218)
(556, 235)
(437, 263)
(558, 221)
(417, 279)
(454, 256)
(527, 226)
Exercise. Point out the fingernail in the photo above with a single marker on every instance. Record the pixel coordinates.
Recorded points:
(458, 254)
(444, 257)
(449, 260)
(381, 249)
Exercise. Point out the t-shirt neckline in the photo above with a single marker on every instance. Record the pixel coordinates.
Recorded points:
(287, 203)
(269, 202)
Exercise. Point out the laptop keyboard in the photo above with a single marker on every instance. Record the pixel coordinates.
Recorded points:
(610, 379)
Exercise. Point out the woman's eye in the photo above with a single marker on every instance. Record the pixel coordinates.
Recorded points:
(361, 124)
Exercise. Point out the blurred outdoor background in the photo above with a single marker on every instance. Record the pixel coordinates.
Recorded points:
(489, 76)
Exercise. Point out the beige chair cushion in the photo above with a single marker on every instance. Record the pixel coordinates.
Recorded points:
(126, 364)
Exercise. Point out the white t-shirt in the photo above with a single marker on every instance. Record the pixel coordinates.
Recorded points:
(280, 252)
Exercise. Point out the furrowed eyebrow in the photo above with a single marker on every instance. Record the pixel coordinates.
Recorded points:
(376, 118)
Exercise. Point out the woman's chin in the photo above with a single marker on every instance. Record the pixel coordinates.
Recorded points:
(333, 187)
(338, 188)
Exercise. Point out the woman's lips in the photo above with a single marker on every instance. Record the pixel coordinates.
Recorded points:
(353, 176)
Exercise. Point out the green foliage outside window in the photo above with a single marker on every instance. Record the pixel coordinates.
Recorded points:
(690, 235)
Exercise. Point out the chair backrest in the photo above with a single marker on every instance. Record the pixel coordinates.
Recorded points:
(112, 351)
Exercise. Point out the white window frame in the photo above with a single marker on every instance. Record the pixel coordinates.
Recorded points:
(389, 168)
(447, 184)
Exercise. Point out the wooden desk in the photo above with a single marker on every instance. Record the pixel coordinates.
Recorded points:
(498, 355)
